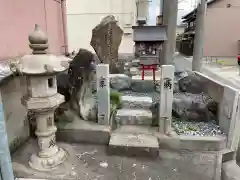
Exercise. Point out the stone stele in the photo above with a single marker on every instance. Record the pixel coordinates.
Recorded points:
(106, 39)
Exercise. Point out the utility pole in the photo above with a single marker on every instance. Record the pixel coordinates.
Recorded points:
(170, 11)
(199, 36)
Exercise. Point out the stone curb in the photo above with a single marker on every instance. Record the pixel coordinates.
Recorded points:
(192, 143)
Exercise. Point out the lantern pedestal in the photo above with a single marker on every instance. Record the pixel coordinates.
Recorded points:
(49, 154)
(47, 163)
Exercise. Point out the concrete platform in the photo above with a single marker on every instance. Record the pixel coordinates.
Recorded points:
(79, 131)
(91, 162)
(134, 117)
(133, 144)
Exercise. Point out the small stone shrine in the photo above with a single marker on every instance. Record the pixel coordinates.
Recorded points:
(106, 39)
(42, 98)
(148, 45)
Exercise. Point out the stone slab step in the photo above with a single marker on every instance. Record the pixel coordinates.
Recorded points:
(133, 144)
(146, 85)
(130, 101)
(134, 117)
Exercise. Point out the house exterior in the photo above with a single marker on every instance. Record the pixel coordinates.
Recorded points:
(18, 18)
(180, 29)
(221, 30)
(84, 15)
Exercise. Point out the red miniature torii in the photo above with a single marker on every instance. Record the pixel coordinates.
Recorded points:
(152, 67)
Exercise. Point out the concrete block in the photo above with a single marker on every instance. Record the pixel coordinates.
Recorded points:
(80, 131)
(129, 144)
(228, 155)
(192, 143)
(134, 117)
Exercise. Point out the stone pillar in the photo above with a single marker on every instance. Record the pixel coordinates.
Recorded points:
(166, 99)
(199, 37)
(170, 20)
(103, 94)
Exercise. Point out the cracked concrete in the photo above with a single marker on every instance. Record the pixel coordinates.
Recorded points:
(90, 162)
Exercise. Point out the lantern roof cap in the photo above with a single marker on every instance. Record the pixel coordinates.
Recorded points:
(39, 62)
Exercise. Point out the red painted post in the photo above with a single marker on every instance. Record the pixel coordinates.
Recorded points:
(143, 68)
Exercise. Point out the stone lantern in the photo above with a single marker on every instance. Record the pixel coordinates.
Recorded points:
(42, 98)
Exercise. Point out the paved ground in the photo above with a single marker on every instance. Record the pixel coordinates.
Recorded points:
(89, 162)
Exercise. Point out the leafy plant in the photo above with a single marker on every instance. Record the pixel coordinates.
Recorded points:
(115, 100)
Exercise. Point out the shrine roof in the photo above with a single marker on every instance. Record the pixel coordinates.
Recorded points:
(149, 33)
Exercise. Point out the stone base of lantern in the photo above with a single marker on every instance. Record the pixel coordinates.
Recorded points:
(48, 163)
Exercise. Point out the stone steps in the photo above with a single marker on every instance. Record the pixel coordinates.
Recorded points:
(133, 141)
(145, 85)
(128, 116)
(136, 102)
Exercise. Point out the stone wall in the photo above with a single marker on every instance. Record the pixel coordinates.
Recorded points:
(17, 125)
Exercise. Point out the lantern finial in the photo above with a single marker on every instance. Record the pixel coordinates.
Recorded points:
(38, 41)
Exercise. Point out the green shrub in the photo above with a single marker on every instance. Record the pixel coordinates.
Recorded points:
(115, 99)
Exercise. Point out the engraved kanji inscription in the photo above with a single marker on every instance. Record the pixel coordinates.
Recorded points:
(167, 83)
(52, 142)
(102, 82)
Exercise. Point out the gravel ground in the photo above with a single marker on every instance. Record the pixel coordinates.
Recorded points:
(184, 127)
(196, 128)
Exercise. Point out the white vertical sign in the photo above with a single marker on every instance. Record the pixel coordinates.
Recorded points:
(166, 98)
(103, 94)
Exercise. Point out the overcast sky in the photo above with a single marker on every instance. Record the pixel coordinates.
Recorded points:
(184, 7)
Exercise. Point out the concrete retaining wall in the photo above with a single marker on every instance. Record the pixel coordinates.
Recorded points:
(228, 99)
(17, 125)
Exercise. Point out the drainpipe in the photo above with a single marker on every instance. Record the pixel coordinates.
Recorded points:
(64, 21)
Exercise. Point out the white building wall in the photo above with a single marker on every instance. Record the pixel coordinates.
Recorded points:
(84, 15)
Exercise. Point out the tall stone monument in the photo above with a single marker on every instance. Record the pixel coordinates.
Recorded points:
(42, 98)
(106, 39)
